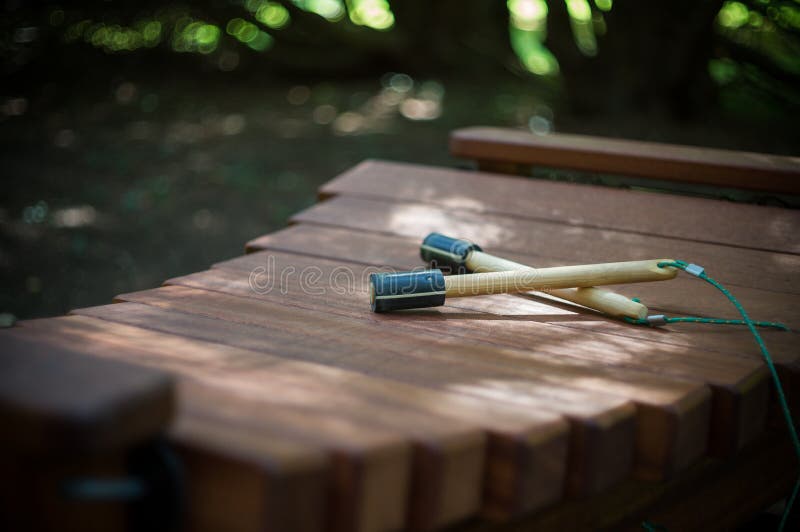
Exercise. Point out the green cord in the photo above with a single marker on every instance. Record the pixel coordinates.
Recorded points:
(718, 321)
(699, 272)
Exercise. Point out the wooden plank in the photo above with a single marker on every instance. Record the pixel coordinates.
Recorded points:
(739, 383)
(553, 241)
(448, 454)
(674, 414)
(601, 448)
(369, 483)
(683, 404)
(59, 401)
(526, 458)
(241, 480)
(362, 457)
(344, 245)
(690, 164)
(686, 218)
(402, 253)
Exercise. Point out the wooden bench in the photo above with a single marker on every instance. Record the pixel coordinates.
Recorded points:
(299, 409)
(512, 151)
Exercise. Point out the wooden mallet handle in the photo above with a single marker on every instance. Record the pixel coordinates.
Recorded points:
(463, 256)
(545, 279)
(429, 288)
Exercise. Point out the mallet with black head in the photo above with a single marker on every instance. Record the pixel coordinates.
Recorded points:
(429, 288)
(462, 256)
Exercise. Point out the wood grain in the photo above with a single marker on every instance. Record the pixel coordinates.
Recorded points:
(605, 423)
(401, 253)
(313, 407)
(241, 480)
(682, 403)
(502, 235)
(732, 380)
(588, 206)
(343, 245)
(671, 162)
(287, 446)
(526, 458)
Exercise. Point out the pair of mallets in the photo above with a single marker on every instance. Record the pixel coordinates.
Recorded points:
(495, 275)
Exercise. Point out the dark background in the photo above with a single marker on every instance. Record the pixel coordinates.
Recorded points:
(141, 141)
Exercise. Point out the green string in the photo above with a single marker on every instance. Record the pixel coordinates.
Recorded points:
(764, 352)
(716, 321)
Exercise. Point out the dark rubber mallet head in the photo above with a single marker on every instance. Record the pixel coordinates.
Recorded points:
(405, 290)
(447, 253)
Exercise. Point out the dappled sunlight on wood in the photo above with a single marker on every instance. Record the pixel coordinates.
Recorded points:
(455, 201)
(410, 219)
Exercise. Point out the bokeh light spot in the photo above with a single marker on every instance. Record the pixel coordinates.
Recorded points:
(324, 114)
(233, 124)
(401, 83)
(375, 14)
(604, 5)
(298, 95)
(733, 15)
(272, 15)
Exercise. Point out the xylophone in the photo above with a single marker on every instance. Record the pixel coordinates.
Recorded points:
(296, 408)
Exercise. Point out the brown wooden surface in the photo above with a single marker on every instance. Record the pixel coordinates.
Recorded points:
(737, 169)
(605, 421)
(735, 382)
(562, 206)
(57, 400)
(66, 416)
(536, 439)
(685, 404)
(302, 410)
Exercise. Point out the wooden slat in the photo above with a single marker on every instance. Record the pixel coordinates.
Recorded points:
(685, 453)
(369, 484)
(314, 407)
(448, 455)
(740, 386)
(601, 425)
(526, 459)
(644, 213)
(502, 234)
(402, 253)
(689, 164)
(361, 246)
(55, 400)
(241, 480)
(684, 405)
(363, 457)
(344, 245)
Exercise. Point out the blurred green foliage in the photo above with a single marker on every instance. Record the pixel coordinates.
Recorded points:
(624, 51)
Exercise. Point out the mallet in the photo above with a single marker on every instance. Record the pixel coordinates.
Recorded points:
(429, 288)
(462, 256)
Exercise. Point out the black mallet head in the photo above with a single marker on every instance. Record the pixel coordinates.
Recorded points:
(441, 251)
(397, 291)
